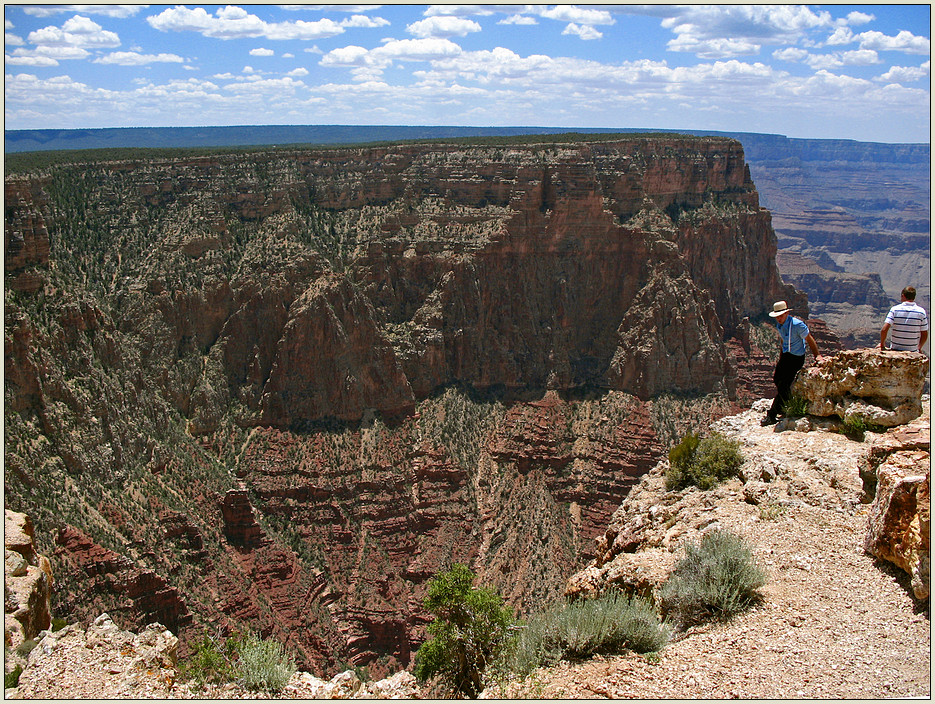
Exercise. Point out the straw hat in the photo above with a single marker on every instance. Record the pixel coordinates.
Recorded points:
(779, 307)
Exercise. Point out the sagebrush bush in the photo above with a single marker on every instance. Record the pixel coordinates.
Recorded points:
(717, 579)
(263, 665)
(607, 624)
(211, 661)
(702, 462)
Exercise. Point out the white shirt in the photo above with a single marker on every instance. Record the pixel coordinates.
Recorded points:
(907, 321)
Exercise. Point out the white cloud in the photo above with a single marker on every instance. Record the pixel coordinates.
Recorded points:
(713, 48)
(364, 22)
(585, 32)
(298, 72)
(905, 42)
(115, 11)
(721, 31)
(458, 10)
(572, 13)
(7, 24)
(13, 40)
(287, 55)
(30, 60)
(905, 74)
(856, 17)
(369, 63)
(236, 23)
(262, 52)
(79, 31)
(858, 57)
(62, 53)
(841, 35)
(790, 54)
(443, 26)
(519, 19)
(274, 86)
(132, 58)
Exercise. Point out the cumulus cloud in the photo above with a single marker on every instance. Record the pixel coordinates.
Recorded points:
(841, 35)
(368, 64)
(858, 57)
(262, 52)
(364, 22)
(443, 26)
(721, 31)
(582, 31)
(30, 60)
(79, 31)
(236, 23)
(905, 74)
(132, 58)
(13, 40)
(298, 72)
(905, 42)
(790, 54)
(572, 13)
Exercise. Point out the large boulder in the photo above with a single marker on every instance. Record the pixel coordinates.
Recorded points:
(882, 387)
(27, 582)
(897, 474)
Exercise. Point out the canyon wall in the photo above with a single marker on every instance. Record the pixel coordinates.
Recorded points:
(283, 389)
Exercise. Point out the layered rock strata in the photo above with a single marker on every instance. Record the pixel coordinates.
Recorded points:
(300, 383)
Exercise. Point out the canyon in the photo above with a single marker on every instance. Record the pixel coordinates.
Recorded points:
(279, 390)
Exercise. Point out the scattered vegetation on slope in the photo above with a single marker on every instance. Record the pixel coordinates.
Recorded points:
(718, 578)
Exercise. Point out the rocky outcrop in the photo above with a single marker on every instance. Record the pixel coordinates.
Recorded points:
(880, 387)
(27, 216)
(101, 662)
(27, 582)
(897, 479)
(240, 526)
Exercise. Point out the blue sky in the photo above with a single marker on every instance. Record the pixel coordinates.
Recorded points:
(823, 71)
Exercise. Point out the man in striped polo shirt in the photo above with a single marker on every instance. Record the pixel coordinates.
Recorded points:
(906, 323)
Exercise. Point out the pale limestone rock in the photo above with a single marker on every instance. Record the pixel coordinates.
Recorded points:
(900, 516)
(882, 387)
(27, 582)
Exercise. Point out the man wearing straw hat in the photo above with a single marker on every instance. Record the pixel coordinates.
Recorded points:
(795, 335)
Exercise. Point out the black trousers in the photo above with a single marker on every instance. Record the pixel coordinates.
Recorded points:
(786, 369)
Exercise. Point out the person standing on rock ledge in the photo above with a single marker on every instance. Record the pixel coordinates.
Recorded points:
(795, 335)
(907, 324)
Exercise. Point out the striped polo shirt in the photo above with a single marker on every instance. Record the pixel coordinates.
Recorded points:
(907, 321)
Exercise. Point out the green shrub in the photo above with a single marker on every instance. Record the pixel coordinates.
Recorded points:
(795, 406)
(854, 427)
(58, 624)
(263, 665)
(11, 678)
(608, 624)
(212, 661)
(25, 648)
(718, 579)
(702, 462)
(470, 627)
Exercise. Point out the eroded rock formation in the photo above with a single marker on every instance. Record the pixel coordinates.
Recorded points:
(27, 580)
(881, 387)
(396, 357)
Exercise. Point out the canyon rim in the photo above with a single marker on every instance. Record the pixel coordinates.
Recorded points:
(281, 389)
